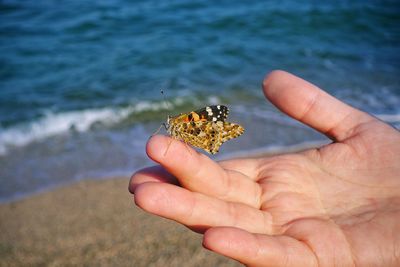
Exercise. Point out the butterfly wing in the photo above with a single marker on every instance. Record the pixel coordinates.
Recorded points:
(201, 134)
(205, 128)
(230, 131)
(213, 113)
(209, 135)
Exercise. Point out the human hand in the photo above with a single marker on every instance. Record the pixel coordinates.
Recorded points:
(337, 205)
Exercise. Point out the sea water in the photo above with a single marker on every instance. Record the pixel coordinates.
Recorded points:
(80, 81)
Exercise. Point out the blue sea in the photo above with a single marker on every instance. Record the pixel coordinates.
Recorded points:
(80, 80)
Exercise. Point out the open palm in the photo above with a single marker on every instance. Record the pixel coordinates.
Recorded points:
(338, 205)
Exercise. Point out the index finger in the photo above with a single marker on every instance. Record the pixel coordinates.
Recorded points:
(199, 173)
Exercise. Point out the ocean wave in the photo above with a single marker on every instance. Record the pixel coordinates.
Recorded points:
(52, 124)
(55, 123)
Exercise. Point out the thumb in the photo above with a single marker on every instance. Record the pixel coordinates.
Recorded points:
(312, 106)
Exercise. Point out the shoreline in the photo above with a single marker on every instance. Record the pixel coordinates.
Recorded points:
(259, 152)
(95, 222)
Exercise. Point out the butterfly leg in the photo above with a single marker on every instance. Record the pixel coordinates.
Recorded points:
(159, 128)
(169, 144)
(186, 144)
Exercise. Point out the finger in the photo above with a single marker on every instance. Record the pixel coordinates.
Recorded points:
(151, 174)
(307, 103)
(199, 211)
(258, 249)
(199, 173)
(249, 167)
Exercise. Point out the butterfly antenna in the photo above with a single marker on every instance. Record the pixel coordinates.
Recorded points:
(165, 100)
(168, 107)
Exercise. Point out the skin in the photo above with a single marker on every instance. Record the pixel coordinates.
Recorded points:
(336, 205)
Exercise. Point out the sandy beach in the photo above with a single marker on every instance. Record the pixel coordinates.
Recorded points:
(95, 223)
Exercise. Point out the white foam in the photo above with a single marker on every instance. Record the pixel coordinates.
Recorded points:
(53, 124)
(57, 123)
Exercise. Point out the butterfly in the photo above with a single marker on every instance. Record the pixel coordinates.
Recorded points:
(205, 128)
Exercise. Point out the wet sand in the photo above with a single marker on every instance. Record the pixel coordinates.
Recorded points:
(95, 222)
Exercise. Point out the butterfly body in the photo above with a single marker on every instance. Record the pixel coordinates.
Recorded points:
(205, 128)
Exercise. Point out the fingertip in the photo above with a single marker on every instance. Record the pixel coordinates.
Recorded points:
(150, 174)
(258, 249)
(273, 81)
(211, 238)
(163, 149)
(132, 185)
(149, 197)
(137, 179)
(228, 241)
(140, 199)
(165, 200)
(155, 145)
